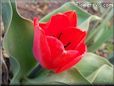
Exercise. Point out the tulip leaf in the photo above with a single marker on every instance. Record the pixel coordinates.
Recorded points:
(85, 25)
(15, 67)
(102, 36)
(6, 13)
(90, 63)
(82, 15)
(18, 41)
(69, 77)
(104, 75)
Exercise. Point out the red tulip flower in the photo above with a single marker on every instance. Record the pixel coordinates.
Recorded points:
(59, 43)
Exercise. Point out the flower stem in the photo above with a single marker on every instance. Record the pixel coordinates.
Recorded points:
(35, 71)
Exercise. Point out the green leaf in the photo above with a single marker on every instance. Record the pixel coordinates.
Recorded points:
(18, 41)
(82, 15)
(104, 75)
(15, 67)
(102, 36)
(90, 63)
(6, 13)
(85, 25)
(97, 36)
(69, 77)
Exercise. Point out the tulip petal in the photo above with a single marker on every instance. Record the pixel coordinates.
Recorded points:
(72, 38)
(82, 48)
(44, 25)
(41, 49)
(58, 23)
(70, 58)
(56, 48)
(64, 62)
(72, 18)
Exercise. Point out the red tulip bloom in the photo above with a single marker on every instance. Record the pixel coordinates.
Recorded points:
(59, 43)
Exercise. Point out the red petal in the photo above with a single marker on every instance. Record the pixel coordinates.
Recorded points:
(67, 60)
(72, 37)
(56, 48)
(58, 23)
(44, 26)
(70, 58)
(82, 48)
(41, 50)
(72, 18)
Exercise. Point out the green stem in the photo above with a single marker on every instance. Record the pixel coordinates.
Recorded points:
(35, 71)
